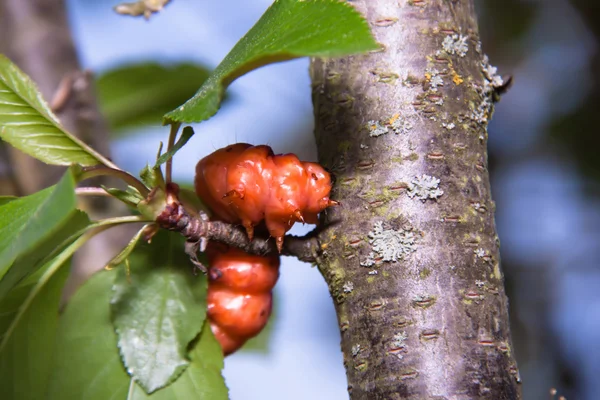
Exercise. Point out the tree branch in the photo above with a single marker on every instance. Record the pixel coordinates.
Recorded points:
(413, 263)
(305, 248)
(198, 230)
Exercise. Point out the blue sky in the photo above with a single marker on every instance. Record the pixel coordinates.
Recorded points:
(544, 220)
(271, 105)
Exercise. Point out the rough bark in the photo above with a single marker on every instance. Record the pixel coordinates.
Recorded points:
(414, 272)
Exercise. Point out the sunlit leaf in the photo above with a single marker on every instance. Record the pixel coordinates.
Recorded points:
(158, 310)
(288, 29)
(27, 123)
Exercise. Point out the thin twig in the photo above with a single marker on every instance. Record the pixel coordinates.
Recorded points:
(91, 172)
(197, 229)
(91, 191)
(170, 144)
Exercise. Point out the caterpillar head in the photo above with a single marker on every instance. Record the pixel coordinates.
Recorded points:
(317, 192)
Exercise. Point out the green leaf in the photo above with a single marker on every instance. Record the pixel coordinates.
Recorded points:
(187, 133)
(31, 261)
(26, 356)
(288, 29)
(123, 255)
(131, 196)
(27, 221)
(27, 123)
(19, 301)
(87, 364)
(158, 310)
(139, 94)
(202, 379)
(6, 199)
(152, 176)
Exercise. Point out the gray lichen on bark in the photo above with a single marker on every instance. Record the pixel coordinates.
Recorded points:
(404, 132)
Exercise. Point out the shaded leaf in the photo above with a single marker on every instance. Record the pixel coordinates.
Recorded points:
(34, 259)
(139, 94)
(131, 196)
(26, 355)
(158, 310)
(27, 123)
(6, 199)
(27, 221)
(87, 364)
(152, 176)
(288, 29)
(18, 302)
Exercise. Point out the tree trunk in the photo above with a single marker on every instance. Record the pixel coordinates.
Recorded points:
(412, 262)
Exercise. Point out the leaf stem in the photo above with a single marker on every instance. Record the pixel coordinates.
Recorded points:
(128, 219)
(172, 135)
(91, 191)
(91, 172)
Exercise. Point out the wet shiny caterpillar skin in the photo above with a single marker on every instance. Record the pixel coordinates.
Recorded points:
(249, 184)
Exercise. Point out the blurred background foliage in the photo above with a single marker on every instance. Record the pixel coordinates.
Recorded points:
(543, 145)
(138, 94)
(545, 179)
(544, 162)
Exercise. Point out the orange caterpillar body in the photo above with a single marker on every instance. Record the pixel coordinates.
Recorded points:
(239, 294)
(247, 184)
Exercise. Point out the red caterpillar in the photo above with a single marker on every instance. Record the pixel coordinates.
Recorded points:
(239, 294)
(245, 183)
